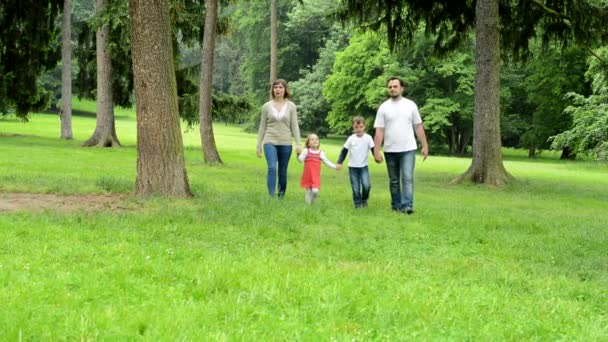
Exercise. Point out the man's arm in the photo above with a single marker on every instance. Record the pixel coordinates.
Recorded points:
(422, 137)
(378, 138)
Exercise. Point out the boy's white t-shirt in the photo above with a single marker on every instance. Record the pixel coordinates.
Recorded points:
(398, 118)
(359, 147)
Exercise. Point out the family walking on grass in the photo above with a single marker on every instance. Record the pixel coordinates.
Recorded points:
(397, 124)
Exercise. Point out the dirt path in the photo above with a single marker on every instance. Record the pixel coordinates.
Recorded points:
(16, 201)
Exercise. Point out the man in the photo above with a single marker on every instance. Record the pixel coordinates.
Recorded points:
(395, 123)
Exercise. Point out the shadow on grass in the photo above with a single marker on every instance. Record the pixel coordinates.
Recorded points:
(82, 113)
(14, 139)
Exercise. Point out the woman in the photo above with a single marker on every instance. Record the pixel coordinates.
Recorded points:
(279, 123)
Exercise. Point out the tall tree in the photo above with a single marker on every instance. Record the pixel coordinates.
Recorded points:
(161, 167)
(518, 21)
(27, 38)
(487, 165)
(274, 41)
(66, 71)
(105, 129)
(210, 153)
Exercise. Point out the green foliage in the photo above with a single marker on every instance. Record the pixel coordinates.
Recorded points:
(447, 103)
(28, 46)
(312, 105)
(588, 135)
(305, 32)
(550, 77)
(252, 37)
(225, 107)
(589, 132)
(357, 84)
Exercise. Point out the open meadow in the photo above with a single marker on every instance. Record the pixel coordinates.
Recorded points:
(524, 262)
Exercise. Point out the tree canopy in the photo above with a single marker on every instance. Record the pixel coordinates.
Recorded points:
(28, 46)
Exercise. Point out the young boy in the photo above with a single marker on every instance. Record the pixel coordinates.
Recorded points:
(359, 144)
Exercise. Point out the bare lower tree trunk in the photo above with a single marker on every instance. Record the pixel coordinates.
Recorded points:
(273, 41)
(161, 167)
(532, 150)
(105, 130)
(210, 153)
(66, 72)
(487, 166)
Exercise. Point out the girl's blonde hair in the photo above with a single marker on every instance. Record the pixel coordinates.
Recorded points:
(307, 142)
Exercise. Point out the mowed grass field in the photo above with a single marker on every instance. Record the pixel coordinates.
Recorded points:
(524, 262)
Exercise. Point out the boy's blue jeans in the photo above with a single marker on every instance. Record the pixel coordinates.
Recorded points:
(400, 166)
(360, 183)
(277, 154)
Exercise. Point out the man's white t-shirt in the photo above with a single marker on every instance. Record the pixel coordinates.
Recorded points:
(359, 147)
(398, 118)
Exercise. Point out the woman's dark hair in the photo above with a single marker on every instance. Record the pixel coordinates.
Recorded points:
(284, 84)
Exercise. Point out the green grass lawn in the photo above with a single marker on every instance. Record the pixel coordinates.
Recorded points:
(525, 262)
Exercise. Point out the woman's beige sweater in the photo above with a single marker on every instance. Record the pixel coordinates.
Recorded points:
(278, 131)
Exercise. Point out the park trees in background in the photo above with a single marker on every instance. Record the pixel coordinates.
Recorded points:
(588, 135)
(160, 152)
(549, 79)
(358, 80)
(27, 47)
(308, 90)
(565, 21)
(66, 71)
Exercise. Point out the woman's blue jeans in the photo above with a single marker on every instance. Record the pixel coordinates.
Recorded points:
(400, 166)
(359, 182)
(277, 154)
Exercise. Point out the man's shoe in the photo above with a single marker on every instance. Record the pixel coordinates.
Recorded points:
(408, 211)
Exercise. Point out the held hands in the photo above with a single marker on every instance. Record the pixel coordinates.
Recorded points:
(298, 150)
(378, 157)
(338, 167)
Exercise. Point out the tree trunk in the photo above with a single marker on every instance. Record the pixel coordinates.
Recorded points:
(105, 130)
(210, 153)
(66, 72)
(532, 150)
(452, 141)
(273, 41)
(487, 166)
(567, 154)
(161, 167)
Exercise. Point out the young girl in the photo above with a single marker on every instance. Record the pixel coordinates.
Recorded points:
(312, 157)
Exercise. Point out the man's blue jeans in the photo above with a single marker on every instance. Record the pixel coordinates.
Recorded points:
(400, 166)
(359, 181)
(277, 154)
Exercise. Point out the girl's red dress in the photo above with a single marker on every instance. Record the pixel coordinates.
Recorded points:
(311, 177)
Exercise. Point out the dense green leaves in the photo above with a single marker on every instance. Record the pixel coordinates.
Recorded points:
(358, 80)
(589, 132)
(28, 46)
